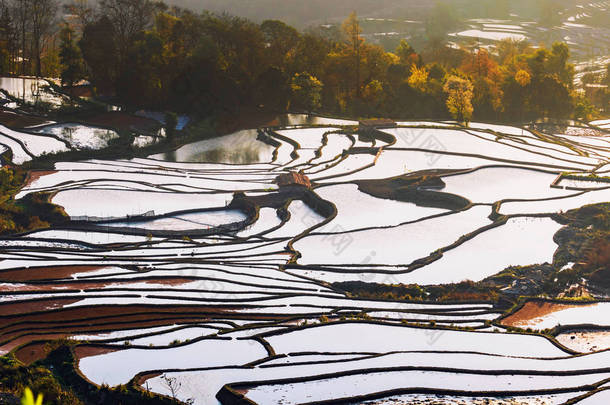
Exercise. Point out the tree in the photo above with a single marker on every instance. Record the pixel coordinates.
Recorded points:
(459, 98)
(99, 50)
(407, 54)
(306, 91)
(508, 49)
(440, 21)
(352, 30)
(310, 55)
(43, 16)
(240, 48)
(21, 17)
(8, 40)
(139, 82)
(515, 96)
(83, 13)
(486, 77)
(281, 41)
(551, 97)
(373, 92)
(128, 18)
(70, 58)
(523, 78)
(418, 78)
(171, 122)
(272, 90)
(558, 63)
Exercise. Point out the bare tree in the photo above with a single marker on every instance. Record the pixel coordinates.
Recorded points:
(7, 37)
(21, 17)
(174, 387)
(43, 17)
(82, 13)
(129, 18)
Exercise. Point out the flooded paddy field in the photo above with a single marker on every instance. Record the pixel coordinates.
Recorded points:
(214, 266)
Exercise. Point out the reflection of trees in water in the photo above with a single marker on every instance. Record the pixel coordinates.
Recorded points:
(223, 155)
(243, 155)
(300, 119)
(170, 156)
(104, 134)
(67, 133)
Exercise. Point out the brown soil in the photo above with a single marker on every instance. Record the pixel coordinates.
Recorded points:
(31, 353)
(532, 310)
(45, 273)
(33, 306)
(14, 120)
(79, 91)
(126, 314)
(34, 175)
(83, 285)
(87, 351)
(29, 338)
(143, 378)
(52, 333)
(19, 323)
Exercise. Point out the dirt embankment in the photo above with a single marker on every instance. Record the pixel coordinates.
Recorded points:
(532, 310)
(34, 175)
(417, 188)
(45, 273)
(13, 120)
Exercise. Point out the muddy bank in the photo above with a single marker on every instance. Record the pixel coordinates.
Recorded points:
(533, 310)
(419, 188)
(46, 273)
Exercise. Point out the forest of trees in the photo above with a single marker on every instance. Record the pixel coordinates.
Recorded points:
(145, 54)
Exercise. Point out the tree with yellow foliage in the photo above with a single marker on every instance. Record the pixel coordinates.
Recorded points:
(419, 78)
(459, 98)
(306, 91)
(352, 30)
(523, 78)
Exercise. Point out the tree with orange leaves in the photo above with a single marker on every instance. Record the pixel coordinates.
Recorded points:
(486, 78)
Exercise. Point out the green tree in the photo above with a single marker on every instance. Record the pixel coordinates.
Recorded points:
(373, 92)
(99, 50)
(140, 82)
(407, 54)
(70, 58)
(550, 97)
(583, 109)
(281, 41)
(310, 55)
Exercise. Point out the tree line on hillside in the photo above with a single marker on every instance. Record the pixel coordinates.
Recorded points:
(146, 54)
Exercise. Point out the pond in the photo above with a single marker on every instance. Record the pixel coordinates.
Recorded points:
(238, 148)
(31, 90)
(80, 136)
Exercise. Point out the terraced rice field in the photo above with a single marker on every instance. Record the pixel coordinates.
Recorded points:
(205, 265)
